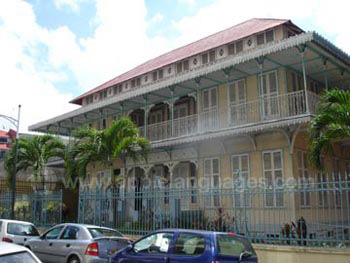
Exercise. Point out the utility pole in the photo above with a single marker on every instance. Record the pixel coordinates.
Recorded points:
(13, 201)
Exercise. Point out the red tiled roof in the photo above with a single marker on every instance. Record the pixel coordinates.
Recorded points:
(226, 36)
(4, 147)
(4, 134)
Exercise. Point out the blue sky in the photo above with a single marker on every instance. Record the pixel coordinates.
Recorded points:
(54, 50)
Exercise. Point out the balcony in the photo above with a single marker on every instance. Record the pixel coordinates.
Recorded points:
(263, 110)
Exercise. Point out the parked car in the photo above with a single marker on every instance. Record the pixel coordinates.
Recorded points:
(182, 246)
(77, 243)
(11, 253)
(17, 232)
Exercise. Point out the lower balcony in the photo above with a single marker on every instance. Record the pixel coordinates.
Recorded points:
(265, 109)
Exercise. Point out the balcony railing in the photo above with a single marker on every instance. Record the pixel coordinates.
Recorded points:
(258, 111)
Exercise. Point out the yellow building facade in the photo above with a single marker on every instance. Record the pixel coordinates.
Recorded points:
(221, 113)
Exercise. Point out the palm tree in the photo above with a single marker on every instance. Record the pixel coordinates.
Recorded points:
(121, 140)
(33, 153)
(331, 124)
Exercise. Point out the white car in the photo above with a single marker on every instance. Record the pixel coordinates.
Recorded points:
(18, 232)
(11, 253)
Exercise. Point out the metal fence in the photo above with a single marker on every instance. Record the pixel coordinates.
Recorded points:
(44, 209)
(311, 213)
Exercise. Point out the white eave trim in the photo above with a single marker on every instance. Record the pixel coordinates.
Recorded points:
(178, 78)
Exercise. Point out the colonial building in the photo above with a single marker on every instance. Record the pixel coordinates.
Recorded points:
(235, 105)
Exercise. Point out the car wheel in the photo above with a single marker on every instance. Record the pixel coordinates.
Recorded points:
(73, 259)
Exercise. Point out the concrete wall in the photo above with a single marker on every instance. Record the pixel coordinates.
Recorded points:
(287, 254)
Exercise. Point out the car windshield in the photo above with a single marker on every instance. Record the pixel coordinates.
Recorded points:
(21, 229)
(104, 232)
(22, 257)
(233, 245)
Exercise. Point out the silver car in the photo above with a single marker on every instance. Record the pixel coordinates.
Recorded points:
(18, 232)
(77, 243)
(11, 253)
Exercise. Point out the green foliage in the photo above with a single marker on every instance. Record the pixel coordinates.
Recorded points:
(33, 153)
(331, 124)
(121, 140)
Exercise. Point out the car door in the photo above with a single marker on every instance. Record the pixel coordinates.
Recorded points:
(45, 247)
(190, 248)
(151, 249)
(66, 243)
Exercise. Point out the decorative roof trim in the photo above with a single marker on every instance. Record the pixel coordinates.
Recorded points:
(173, 80)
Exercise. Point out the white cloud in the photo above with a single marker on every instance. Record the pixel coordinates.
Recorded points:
(157, 18)
(23, 81)
(73, 5)
(325, 15)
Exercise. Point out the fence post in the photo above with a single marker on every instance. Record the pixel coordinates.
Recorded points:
(61, 201)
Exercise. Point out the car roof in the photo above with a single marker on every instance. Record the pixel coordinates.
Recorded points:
(203, 232)
(8, 248)
(83, 225)
(16, 221)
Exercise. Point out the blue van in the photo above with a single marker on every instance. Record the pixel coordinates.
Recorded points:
(182, 246)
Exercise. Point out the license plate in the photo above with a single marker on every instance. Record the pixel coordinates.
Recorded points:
(111, 252)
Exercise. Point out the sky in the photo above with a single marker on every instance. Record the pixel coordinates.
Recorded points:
(54, 50)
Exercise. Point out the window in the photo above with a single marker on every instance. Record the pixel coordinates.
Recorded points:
(237, 96)
(210, 112)
(160, 74)
(20, 257)
(138, 82)
(154, 244)
(269, 36)
(265, 37)
(154, 76)
(239, 46)
(209, 57)
(205, 59)
(231, 49)
(103, 94)
(179, 67)
(210, 98)
(189, 244)
(186, 65)
(212, 175)
(71, 233)
(54, 233)
(104, 232)
(233, 245)
(268, 84)
(260, 39)
(133, 83)
(182, 66)
(273, 174)
(21, 229)
(212, 56)
(102, 124)
(89, 99)
(304, 179)
(240, 176)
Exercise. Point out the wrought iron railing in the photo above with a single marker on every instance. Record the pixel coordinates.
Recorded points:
(312, 213)
(44, 209)
(264, 109)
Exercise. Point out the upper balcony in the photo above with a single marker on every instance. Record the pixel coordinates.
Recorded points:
(250, 115)
(273, 101)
